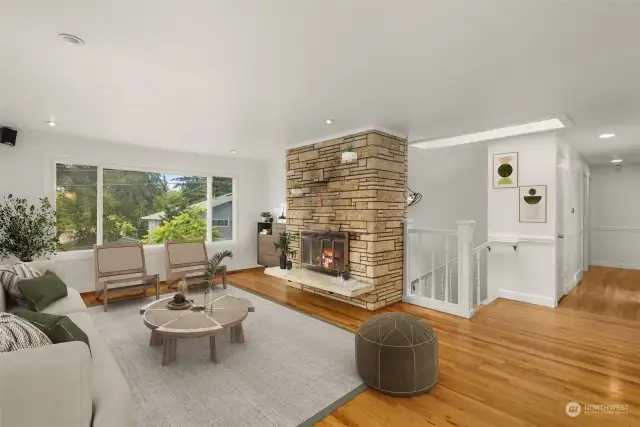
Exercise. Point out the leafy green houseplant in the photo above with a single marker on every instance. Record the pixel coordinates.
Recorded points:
(284, 245)
(26, 231)
(266, 217)
(349, 155)
(346, 273)
(296, 189)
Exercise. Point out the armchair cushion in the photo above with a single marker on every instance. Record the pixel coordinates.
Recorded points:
(40, 292)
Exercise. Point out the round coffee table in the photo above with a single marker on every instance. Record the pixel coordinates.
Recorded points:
(225, 311)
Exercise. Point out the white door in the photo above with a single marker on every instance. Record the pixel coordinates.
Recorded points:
(561, 267)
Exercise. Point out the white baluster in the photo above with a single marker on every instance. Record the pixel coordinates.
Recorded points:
(433, 275)
(446, 269)
(478, 277)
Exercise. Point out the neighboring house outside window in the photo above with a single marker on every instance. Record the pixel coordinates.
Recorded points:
(222, 207)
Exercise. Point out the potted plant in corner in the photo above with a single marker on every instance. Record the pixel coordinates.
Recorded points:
(210, 272)
(266, 217)
(296, 189)
(27, 232)
(284, 246)
(349, 155)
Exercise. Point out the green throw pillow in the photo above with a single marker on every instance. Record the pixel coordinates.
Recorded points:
(59, 329)
(40, 292)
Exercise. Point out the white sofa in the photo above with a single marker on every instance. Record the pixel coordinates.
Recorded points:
(63, 385)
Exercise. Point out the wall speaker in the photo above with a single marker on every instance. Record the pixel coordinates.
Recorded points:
(8, 136)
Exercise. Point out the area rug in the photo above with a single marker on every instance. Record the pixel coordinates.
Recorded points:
(292, 370)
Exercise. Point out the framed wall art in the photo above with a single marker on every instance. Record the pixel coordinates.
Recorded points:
(533, 203)
(505, 170)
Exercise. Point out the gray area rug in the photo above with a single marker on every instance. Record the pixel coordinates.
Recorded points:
(292, 370)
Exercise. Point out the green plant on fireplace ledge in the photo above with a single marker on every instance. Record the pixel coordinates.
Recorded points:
(349, 149)
(284, 244)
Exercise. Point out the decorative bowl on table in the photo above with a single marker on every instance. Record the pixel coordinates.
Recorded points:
(179, 302)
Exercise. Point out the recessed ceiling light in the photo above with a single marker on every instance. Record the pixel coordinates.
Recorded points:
(71, 39)
(528, 128)
(328, 121)
(233, 151)
(607, 135)
(51, 123)
(616, 161)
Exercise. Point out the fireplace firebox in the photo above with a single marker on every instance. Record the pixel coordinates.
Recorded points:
(326, 251)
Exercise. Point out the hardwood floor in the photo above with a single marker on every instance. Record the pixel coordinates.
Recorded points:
(513, 364)
(607, 291)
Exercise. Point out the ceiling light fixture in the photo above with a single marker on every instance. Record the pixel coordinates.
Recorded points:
(535, 127)
(328, 121)
(71, 39)
(51, 123)
(607, 135)
(234, 151)
(616, 161)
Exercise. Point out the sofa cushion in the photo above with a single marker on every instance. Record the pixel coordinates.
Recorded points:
(111, 396)
(10, 276)
(17, 334)
(40, 292)
(70, 304)
(59, 329)
(3, 299)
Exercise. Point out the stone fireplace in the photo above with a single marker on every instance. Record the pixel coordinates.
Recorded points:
(364, 200)
(326, 251)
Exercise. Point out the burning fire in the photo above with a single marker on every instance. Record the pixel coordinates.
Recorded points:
(326, 258)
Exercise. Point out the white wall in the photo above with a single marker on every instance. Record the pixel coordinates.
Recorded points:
(528, 273)
(452, 182)
(615, 216)
(276, 182)
(28, 170)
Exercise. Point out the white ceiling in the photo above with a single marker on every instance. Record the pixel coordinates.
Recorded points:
(255, 75)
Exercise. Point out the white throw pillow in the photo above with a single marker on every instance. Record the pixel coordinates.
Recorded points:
(12, 274)
(16, 333)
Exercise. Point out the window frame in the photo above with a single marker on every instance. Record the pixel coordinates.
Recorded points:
(100, 195)
(220, 219)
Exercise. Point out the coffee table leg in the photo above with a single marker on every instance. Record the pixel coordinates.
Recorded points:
(169, 351)
(156, 338)
(212, 349)
(237, 334)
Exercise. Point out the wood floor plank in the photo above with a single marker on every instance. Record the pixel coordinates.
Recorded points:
(512, 365)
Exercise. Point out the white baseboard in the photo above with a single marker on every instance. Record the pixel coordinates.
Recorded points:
(434, 304)
(615, 264)
(528, 298)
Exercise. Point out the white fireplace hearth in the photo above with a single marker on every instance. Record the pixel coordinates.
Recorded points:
(297, 277)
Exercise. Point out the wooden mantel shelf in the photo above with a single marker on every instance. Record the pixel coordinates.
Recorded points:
(313, 279)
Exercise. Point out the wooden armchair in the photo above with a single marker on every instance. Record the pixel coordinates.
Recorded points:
(118, 263)
(187, 260)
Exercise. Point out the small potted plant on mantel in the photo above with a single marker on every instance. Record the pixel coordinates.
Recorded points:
(284, 243)
(266, 217)
(296, 189)
(349, 155)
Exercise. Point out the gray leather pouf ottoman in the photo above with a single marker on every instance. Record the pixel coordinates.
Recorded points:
(397, 353)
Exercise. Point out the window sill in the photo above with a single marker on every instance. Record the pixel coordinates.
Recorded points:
(151, 249)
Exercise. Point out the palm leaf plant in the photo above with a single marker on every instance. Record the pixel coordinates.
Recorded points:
(213, 264)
